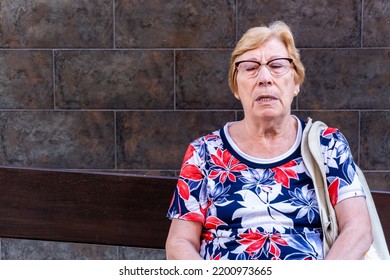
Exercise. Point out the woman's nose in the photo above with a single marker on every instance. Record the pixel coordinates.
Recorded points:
(264, 76)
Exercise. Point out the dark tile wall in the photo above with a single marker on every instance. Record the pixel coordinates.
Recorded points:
(124, 85)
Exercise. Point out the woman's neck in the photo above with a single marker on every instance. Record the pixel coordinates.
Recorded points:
(265, 139)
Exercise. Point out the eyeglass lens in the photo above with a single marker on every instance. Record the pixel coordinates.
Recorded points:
(277, 67)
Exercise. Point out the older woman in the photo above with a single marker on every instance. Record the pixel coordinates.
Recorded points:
(244, 191)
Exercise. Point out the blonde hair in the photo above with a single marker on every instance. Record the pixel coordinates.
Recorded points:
(254, 37)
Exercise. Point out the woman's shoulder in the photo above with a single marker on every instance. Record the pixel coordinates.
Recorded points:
(334, 145)
(331, 136)
(208, 138)
(327, 133)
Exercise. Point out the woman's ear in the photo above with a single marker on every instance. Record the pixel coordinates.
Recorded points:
(296, 91)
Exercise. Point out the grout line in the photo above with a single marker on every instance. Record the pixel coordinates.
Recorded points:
(113, 25)
(359, 136)
(54, 79)
(236, 37)
(174, 81)
(115, 143)
(362, 25)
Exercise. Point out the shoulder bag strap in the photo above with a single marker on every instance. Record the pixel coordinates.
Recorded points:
(313, 160)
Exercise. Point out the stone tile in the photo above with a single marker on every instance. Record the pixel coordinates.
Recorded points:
(346, 121)
(114, 79)
(57, 139)
(26, 80)
(175, 24)
(376, 20)
(130, 253)
(346, 79)
(324, 23)
(375, 140)
(158, 140)
(378, 181)
(202, 80)
(23, 249)
(56, 24)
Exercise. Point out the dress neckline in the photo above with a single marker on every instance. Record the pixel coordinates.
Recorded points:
(292, 153)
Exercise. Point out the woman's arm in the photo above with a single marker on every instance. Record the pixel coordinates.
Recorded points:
(355, 235)
(183, 242)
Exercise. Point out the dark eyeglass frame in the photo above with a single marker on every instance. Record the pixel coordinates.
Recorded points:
(290, 60)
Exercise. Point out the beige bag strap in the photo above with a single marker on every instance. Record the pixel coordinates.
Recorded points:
(311, 155)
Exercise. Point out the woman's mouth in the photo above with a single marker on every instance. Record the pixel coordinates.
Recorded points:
(265, 99)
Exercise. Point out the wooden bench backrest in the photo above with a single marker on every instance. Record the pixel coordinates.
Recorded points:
(99, 208)
(105, 208)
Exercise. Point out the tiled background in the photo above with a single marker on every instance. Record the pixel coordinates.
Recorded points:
(124, 85)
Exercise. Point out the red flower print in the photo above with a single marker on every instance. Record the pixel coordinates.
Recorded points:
(284, 173)
(208, 236)
(183, 189)
(217, 257)
(334, 191)
(257, 241)
(189, 153)
(213, 222)
(226, 164)
(254, 239)
(194, 217)
(191, 172)
(329, 131)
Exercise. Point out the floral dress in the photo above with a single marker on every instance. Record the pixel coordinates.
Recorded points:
(254, 208)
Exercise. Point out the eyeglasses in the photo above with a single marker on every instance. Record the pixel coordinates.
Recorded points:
(277, 67)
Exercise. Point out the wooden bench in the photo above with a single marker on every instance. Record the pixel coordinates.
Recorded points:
(98, 208)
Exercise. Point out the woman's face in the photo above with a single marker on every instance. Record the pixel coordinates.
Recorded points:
(266, 96)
